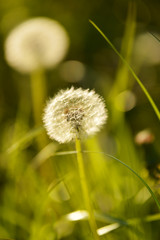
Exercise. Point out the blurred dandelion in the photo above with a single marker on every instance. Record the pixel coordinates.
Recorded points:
(74, 113)
(37, 43)
(31, 47)
(71, 115)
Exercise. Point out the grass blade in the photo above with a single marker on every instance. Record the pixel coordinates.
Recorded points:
(135, 173)
(124, 164)
(155, 37)
(115, 223)
(106, 229)
(155, 108)
(25, 139)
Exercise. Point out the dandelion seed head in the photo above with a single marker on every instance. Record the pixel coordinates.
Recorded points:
(74, 113)
(36, 43)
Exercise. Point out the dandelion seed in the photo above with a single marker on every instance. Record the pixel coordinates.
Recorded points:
(74, 113)
(36, 43)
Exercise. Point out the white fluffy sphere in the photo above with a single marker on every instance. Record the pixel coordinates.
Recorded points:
(74, 113)
(37, 43)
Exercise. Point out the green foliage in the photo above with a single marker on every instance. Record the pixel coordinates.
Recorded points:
(40, 191)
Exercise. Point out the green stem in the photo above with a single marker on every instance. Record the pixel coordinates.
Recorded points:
(38, 94)
(85, 191)
(38, 91)
(134, 172)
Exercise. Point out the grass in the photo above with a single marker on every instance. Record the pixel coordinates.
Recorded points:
(40, 190)
(154, 106)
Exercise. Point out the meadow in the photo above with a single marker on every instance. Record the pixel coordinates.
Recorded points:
(80, 183)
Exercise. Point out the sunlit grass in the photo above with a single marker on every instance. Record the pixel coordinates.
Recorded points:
(40, 190)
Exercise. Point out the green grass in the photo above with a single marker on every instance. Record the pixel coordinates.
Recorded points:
(40, 189)
(154, 106)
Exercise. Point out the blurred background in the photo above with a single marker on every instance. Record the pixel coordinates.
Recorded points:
(87, 47)
(37, 187)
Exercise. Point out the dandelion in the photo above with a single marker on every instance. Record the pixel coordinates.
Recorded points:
(74, 113)
(37, 43)
(71, 115)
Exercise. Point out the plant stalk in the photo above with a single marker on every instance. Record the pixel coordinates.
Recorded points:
(85, 191)
(38, 94)
(38, 91)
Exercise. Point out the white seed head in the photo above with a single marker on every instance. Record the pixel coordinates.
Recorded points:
(74, 113)
(38, 42)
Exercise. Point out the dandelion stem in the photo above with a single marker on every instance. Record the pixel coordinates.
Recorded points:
(85, 190)
(38, 91)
